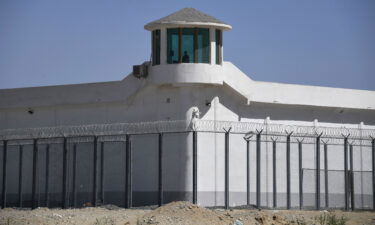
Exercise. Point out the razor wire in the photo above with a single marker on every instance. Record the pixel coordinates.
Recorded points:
(246, 128)
(283, 129)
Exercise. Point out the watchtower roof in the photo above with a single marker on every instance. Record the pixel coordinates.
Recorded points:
(188, 17)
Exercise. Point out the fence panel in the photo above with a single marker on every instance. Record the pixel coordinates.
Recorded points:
(27, 175)
(336, 175)
(177, 167)
(56, 174)
(362, 176)
(12, 172)
(237, 170)
(41, 176)
(294, 172)
(1, 169)
(113, 173)
(309, 180)
(145, 169)
(281, 176)
(211, 169)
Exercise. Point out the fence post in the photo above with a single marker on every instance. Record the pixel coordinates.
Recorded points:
(47, 177)
(195, 166)
(95, 194)
(288, 170)
(317, 173)
(20, 165)
(326, 175)
(160, 197)
(373, 172)
(258, 168)
(300, 174)
(102, 172)
(227, 168)
(4, 188)
(74, 200)
(65, 174)
(128, 173)
(35, 174)
(346, 171)
(351, 177)
(247, 139)
(274, 172)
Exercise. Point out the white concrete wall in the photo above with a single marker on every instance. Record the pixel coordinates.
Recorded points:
(221, 93)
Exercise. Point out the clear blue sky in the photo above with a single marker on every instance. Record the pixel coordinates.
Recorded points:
(319, 42)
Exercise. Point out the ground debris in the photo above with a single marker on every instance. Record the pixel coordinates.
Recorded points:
(175, 213)
(184, 213)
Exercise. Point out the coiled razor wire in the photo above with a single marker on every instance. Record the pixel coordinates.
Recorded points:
(246, 128)
(283, 129)
(96, 130)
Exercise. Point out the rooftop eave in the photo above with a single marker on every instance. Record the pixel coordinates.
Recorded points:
(153, 26)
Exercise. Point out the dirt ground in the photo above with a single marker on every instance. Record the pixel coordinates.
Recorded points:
(181, 213)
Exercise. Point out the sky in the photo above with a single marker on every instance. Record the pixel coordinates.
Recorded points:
(53, 42)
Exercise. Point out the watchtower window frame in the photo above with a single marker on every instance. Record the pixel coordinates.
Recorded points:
(219, 46)
(156, 39)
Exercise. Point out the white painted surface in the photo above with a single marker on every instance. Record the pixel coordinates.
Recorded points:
(221, 26)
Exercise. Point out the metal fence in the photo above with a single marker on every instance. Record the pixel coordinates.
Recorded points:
(86, 158)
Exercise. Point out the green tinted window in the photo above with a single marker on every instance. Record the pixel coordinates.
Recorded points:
(188, 45)
(156, 47)
(173, 45)
(203, 46)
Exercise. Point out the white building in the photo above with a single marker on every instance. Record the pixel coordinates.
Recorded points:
(187, 86)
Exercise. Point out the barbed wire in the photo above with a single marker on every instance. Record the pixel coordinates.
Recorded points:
(246, 128)
(283, 129)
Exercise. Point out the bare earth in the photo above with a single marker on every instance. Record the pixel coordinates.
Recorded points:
(182, 213)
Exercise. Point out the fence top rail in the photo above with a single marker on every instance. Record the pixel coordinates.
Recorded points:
(181, 126)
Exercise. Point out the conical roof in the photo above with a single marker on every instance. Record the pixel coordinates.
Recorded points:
(188, 16)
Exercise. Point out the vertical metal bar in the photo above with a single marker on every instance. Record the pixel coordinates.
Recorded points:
(226, 170)
(4, 187)
(95, 183)
(65, 174)
(274, 174)
(180, 45)
(351, 178)
(258, 170)
(195, 45)
(20, 166)
(317, 174)
(300, 175)
(47, 177)
(128, 173)
(288, 171)
(326, 174)
(346, 173)
(38, 184)
(195, 166)
(248, 171)
(74, 200)
(160, 198)
(35, 174)
(102, 172)
(373, 173)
